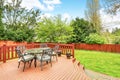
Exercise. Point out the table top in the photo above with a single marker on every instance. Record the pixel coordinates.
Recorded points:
(36, 50)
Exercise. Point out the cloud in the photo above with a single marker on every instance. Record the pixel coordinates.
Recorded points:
(109, 21)
(51, 4)
(66, 16)
(44, 5)
(50, 7)
(47, 15)
(29, 4)
(52, 1)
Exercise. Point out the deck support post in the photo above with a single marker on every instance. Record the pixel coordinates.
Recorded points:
(4, 53)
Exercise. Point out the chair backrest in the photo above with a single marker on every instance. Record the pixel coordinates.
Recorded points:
(23, 48)
(43, 45)
(18, 51)
(17, 48)
(47, 52)
(56, 48)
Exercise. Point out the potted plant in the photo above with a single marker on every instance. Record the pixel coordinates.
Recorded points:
(59, 52)
(68, 55)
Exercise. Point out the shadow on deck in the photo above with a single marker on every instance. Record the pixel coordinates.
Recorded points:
(63, 69)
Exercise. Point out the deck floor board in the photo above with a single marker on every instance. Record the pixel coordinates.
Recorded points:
(63, 69)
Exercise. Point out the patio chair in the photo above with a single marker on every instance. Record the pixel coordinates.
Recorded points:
(45, 57)
(43, 45)
(55, 50)
(23, 57)
(21, 48)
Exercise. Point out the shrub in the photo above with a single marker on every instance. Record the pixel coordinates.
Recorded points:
(116, 40)
(94, 39)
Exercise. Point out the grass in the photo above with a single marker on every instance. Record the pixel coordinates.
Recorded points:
(103, 62)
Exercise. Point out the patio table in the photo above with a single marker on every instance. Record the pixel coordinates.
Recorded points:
(35, 51)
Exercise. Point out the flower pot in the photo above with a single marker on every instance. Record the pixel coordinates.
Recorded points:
(59, 52)
(68, 55)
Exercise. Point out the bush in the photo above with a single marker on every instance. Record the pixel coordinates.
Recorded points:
(81, 29)
(116, 40)
(94, 39)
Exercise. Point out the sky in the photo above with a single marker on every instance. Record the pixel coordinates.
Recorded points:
(70, 9)
(66, 8)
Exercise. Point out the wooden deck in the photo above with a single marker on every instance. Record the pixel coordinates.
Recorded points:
(63, 69)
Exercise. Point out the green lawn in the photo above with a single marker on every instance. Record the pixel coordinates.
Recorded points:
(103, 62)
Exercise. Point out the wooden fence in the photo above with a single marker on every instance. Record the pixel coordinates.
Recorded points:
(98, 47)
(8, 52)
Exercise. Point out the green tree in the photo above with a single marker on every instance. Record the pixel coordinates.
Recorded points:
(116, 40)
(94, 39)
(53, 29)
(93, 15)
(116, 31)
(17, 17)
(116, 34)
(81, 29)
(107, 35)
(19, 20)
(2, 32)
(1, 13)
(113, 7)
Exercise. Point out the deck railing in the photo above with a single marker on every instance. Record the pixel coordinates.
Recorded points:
(8, 52)
(99, 47)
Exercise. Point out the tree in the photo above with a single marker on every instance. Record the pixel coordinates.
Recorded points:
(17, 17)
(1, 9)
(116, 31)
(116, 40)
(107, 35)
(116, 35)
(92, 14)
(81, 29)
(19, 20)
(111, 6)
(95, 39)
(1, 23)
(53, 29)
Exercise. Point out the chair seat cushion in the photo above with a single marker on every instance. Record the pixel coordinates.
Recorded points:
(43, 58)
(28, 57)
(54, 54)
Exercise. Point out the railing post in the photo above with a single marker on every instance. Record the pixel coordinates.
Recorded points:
(4, 53)
(33, 45)
(73, 49)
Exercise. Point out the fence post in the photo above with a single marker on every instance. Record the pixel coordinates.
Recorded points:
(4, 53)
(73, 49)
